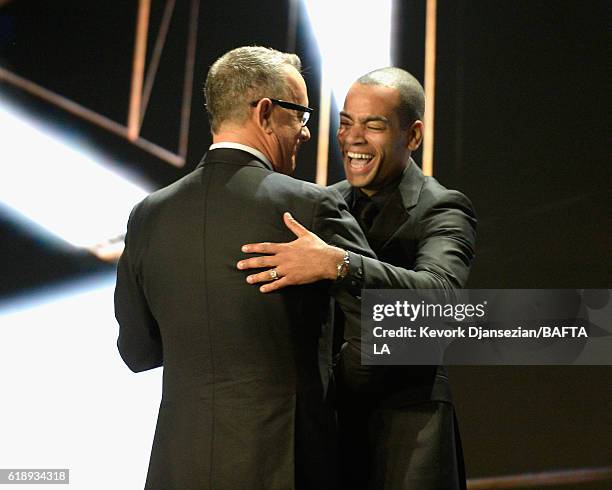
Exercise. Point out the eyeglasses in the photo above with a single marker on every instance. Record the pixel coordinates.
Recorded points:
(306, 111)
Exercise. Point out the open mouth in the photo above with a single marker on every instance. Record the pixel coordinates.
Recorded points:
(359, 161)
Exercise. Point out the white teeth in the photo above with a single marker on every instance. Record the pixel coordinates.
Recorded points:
(359, 156)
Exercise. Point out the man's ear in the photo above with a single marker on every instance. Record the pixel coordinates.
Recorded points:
(263, 113)
(415, 135)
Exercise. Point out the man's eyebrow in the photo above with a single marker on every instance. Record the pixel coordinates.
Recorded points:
(376, 118)
(367, 119)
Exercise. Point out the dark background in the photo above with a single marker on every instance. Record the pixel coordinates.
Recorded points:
(522, 128)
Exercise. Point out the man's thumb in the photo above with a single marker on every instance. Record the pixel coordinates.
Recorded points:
(294, 226)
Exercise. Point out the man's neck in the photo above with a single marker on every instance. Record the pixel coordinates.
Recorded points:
(234, 136)
(391, 184)
(242, 136)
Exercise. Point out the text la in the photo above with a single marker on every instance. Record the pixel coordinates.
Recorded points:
(383, 350)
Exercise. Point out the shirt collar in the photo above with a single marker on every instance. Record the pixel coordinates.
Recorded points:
(238, 146)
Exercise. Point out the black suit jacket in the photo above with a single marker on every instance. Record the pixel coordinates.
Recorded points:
(424, 238)
(246, 377)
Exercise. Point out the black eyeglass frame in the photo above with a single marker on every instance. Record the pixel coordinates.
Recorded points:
(292, 106)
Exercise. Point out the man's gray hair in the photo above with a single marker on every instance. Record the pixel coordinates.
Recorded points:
(412, 96)
(244, 75)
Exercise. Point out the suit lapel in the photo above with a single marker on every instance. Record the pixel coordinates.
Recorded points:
(396, 211)
(390, 219)
(411, 184)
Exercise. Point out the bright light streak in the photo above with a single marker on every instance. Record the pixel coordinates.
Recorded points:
(354, 38)
(68, 399)
(63, 188)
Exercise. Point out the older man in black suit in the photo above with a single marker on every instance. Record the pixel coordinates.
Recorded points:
(398, 427)
(246, 385)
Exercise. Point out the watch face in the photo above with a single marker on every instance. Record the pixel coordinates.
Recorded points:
(343, 267)
(342, 270)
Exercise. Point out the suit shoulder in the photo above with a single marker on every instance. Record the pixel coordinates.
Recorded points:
(171, 192)
(306, 191)
(162, 198)
(174, 190)
(435, 194)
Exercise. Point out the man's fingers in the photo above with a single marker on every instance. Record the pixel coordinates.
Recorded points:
(260, 277)
(294, 225)
(257, 262)
(275, 285)
(262, 248)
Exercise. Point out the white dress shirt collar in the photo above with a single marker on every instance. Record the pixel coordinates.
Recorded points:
(238, 146)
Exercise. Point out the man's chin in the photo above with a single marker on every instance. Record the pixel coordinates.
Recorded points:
(358, 183)
(359, 180)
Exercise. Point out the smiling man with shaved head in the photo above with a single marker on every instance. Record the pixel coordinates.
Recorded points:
(398, 430)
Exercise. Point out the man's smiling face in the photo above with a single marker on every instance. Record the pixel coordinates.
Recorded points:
(374, 148)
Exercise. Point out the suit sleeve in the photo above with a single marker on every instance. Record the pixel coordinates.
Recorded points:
(139, 341)
(446, 242)
(446, 239)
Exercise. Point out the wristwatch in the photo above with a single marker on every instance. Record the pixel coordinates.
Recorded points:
(343, 267)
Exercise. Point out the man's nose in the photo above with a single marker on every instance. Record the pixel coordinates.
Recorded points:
(355, 135)
(305, 134)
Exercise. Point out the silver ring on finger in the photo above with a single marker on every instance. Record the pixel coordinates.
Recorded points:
(273, 274)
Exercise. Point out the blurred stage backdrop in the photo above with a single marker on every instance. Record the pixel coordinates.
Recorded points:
(101, 103)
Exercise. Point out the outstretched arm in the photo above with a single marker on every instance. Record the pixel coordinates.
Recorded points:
(446, 237)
